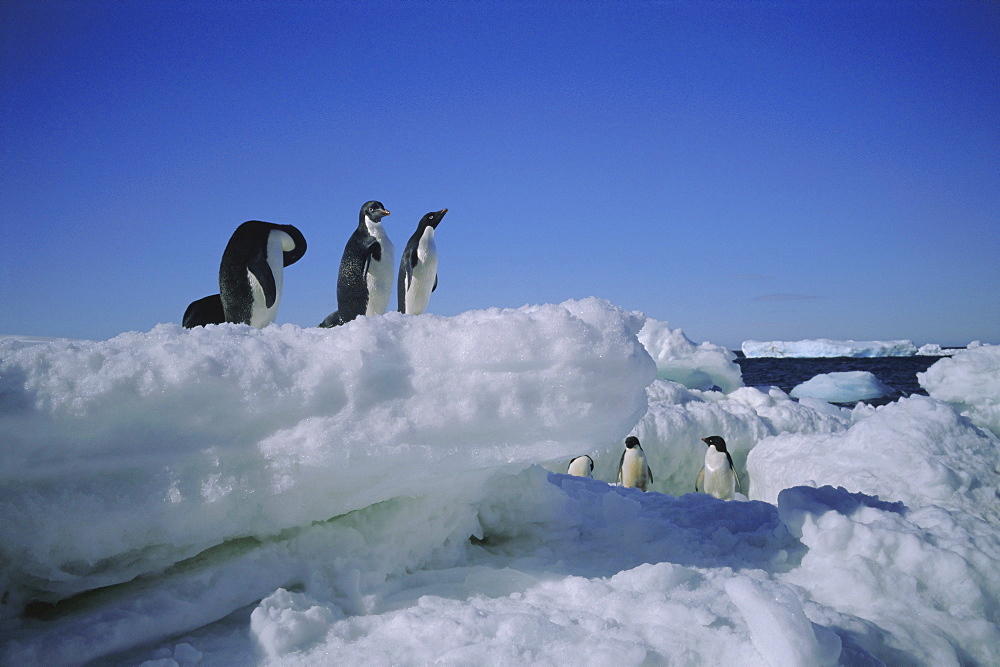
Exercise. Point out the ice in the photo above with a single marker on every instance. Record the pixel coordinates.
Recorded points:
(679, 359)
(842, 387)
(825, 347)
(390, 492)
(968, 381)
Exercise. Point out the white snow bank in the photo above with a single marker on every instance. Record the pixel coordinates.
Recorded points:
(916, 450)
(825, 347)
(126, 456)
(842, 387)
(680, 360)
(678, 418)
(365, 494)
(970, 381)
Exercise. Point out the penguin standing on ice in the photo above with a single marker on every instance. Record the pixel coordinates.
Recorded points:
(581, 466)
(718, 477)
(365, 279)
(251, 273)
(633, 470)
(418, 266)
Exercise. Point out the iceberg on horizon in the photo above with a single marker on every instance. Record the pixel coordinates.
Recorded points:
(826, 347)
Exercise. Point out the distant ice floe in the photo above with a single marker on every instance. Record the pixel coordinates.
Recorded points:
(825, 347)
(389, 492)
(842, 387)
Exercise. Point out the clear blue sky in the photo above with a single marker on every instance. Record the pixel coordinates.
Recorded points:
(765, 170)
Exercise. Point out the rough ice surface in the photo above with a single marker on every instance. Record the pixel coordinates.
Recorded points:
(388, 492)
(842, 387)
(825, 347)
(680, 360)
(968, 382)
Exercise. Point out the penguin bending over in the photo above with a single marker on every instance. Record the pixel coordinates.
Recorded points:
(718, 477)
(207, 310)
(633, 470)
(251, 274)
(365, 279)
(418, 266)
(581, 466)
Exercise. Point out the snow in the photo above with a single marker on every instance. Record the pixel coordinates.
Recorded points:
(968, 382)
(842, 387)
(680, 360)
(825, 347)
(390, 491)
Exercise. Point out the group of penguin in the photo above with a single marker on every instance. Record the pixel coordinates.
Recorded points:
(251, 272)
(717, 478)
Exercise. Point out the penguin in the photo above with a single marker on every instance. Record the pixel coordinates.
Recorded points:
(207, 310)
(418, 266)
(251, 273)
(581, 466)
(718, 477)
(633, 470)
(365, 279)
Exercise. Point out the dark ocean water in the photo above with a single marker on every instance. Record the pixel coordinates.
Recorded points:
(900, 373)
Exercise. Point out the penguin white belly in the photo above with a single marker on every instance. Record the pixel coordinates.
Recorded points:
(580, 467)
(379, 277)
(423, 275)
(260, 315)
(719, 478)
(634, 470)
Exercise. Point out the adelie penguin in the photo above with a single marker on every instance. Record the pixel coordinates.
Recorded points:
(418, 266)
(633, 470)
(581, 466)
(718, 477)
(252, 271)
(364, 283)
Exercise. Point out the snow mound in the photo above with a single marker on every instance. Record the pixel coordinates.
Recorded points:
(680, 360)
(127, 456)
(970, 381)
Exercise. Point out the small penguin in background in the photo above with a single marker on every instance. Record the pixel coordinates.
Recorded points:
(364, 283)
(251, 274)
(633, 470)
(718, 477)
(418, 266)
(581, 466)
(207, 310)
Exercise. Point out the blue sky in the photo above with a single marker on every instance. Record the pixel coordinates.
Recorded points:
(743, 170)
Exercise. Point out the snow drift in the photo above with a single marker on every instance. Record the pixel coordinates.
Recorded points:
(389, 491)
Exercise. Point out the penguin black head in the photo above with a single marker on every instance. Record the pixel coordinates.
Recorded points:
(372, 210)
(631, 442)
(432, 219)
(715, 441)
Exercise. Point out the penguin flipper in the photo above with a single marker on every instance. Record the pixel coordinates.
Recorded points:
(435, 283)
(699, 483)
(374, 251)
(649, 472)
(732, 467)
(261, 270)
(621, 462)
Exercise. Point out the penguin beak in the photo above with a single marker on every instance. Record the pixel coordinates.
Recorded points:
(705, 440)
(383, 212)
